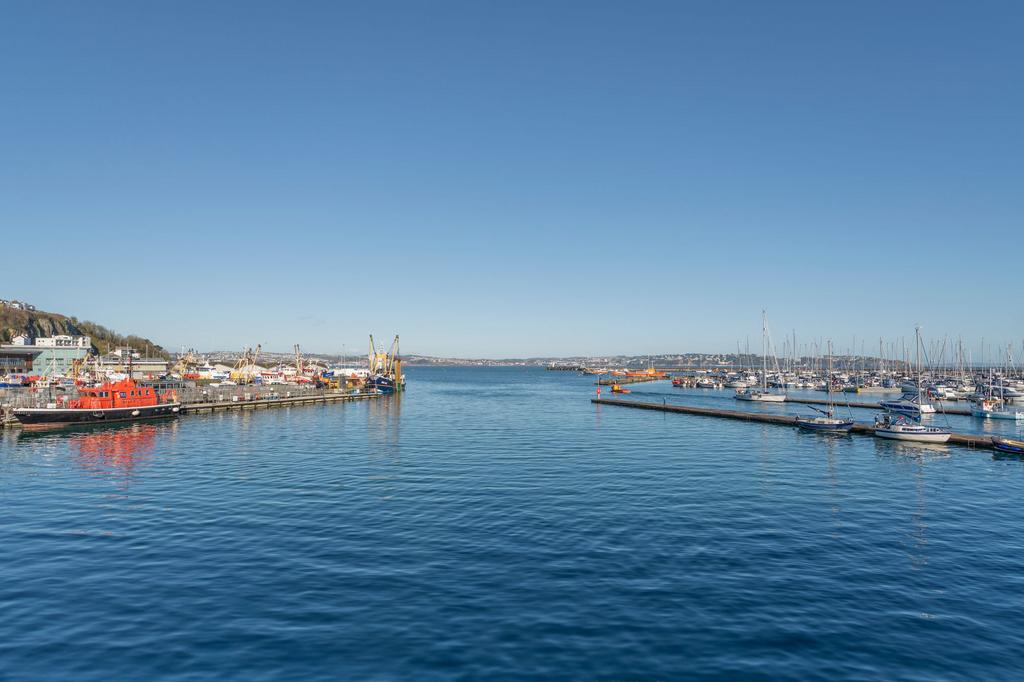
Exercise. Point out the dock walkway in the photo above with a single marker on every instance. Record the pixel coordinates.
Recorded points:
(220, 403)
(265, 403)
(969, 440)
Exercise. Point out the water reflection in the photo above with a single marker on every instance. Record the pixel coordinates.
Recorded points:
(830, 441)
(115, 452)
(918, 456)
(384, 419)
(105, 450)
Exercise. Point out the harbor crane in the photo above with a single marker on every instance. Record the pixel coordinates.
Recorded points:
(187, 363)
(245, 368)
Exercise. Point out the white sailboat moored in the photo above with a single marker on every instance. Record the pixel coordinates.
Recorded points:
(762, 394)
(908, 428)
(899, 427)
(827, 421)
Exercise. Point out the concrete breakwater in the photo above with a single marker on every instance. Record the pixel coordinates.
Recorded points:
(965, 439)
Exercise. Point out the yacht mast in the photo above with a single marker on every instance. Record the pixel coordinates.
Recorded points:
(764, 351)
(828, 379)
(917, 333)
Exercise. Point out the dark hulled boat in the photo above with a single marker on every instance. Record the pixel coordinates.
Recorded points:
(381, 382)
(1008, 445)
(112, 402)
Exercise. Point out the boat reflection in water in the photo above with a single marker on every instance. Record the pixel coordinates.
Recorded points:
(384, 420)
(116, 451)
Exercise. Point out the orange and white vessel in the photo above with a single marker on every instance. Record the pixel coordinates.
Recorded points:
(111, 402)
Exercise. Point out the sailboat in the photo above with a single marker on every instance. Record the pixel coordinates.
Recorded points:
(762, 394)
(826, 421)
(900, 427)
(913, 406)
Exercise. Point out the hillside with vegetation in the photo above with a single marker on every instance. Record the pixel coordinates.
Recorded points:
(37, 323)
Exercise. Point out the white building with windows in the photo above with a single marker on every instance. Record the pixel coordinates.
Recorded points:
(64, 341)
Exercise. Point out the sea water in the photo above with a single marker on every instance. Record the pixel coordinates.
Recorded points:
(493, 523)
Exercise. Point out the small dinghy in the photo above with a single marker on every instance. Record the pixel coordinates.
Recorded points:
(1008, 445)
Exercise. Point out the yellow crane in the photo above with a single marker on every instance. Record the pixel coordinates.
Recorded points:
(387, 364)
(77, 367)
(245, 367)
(187, 363)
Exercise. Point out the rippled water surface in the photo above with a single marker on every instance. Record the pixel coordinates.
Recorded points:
(493, 523)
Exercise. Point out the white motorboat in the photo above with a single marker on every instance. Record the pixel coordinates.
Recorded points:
(910, 406)
(760, 395)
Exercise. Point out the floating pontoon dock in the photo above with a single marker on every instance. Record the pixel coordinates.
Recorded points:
(969, 440)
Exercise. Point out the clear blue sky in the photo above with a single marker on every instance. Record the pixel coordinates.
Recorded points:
(503, 179)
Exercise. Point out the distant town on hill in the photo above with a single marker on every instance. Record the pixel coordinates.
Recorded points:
(22, 318)
(664, 361)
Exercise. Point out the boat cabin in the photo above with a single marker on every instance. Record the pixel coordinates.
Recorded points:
(125, 393)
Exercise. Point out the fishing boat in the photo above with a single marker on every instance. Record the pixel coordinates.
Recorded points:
(616, 388)
(385, 369)
(762, 394)
(1008, 445)
(827, 421)
(991, 407)
(111, 402)
(995, 409)
(899, 427)
(380, 382)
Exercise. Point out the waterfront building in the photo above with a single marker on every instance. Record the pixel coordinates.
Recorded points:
(44, 356)
(16, 359)
(57, 360)
(64, 341)
(118, 361)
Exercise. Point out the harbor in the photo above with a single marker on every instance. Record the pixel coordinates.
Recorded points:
(89, 388)
(197, 400)
(708, 370)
